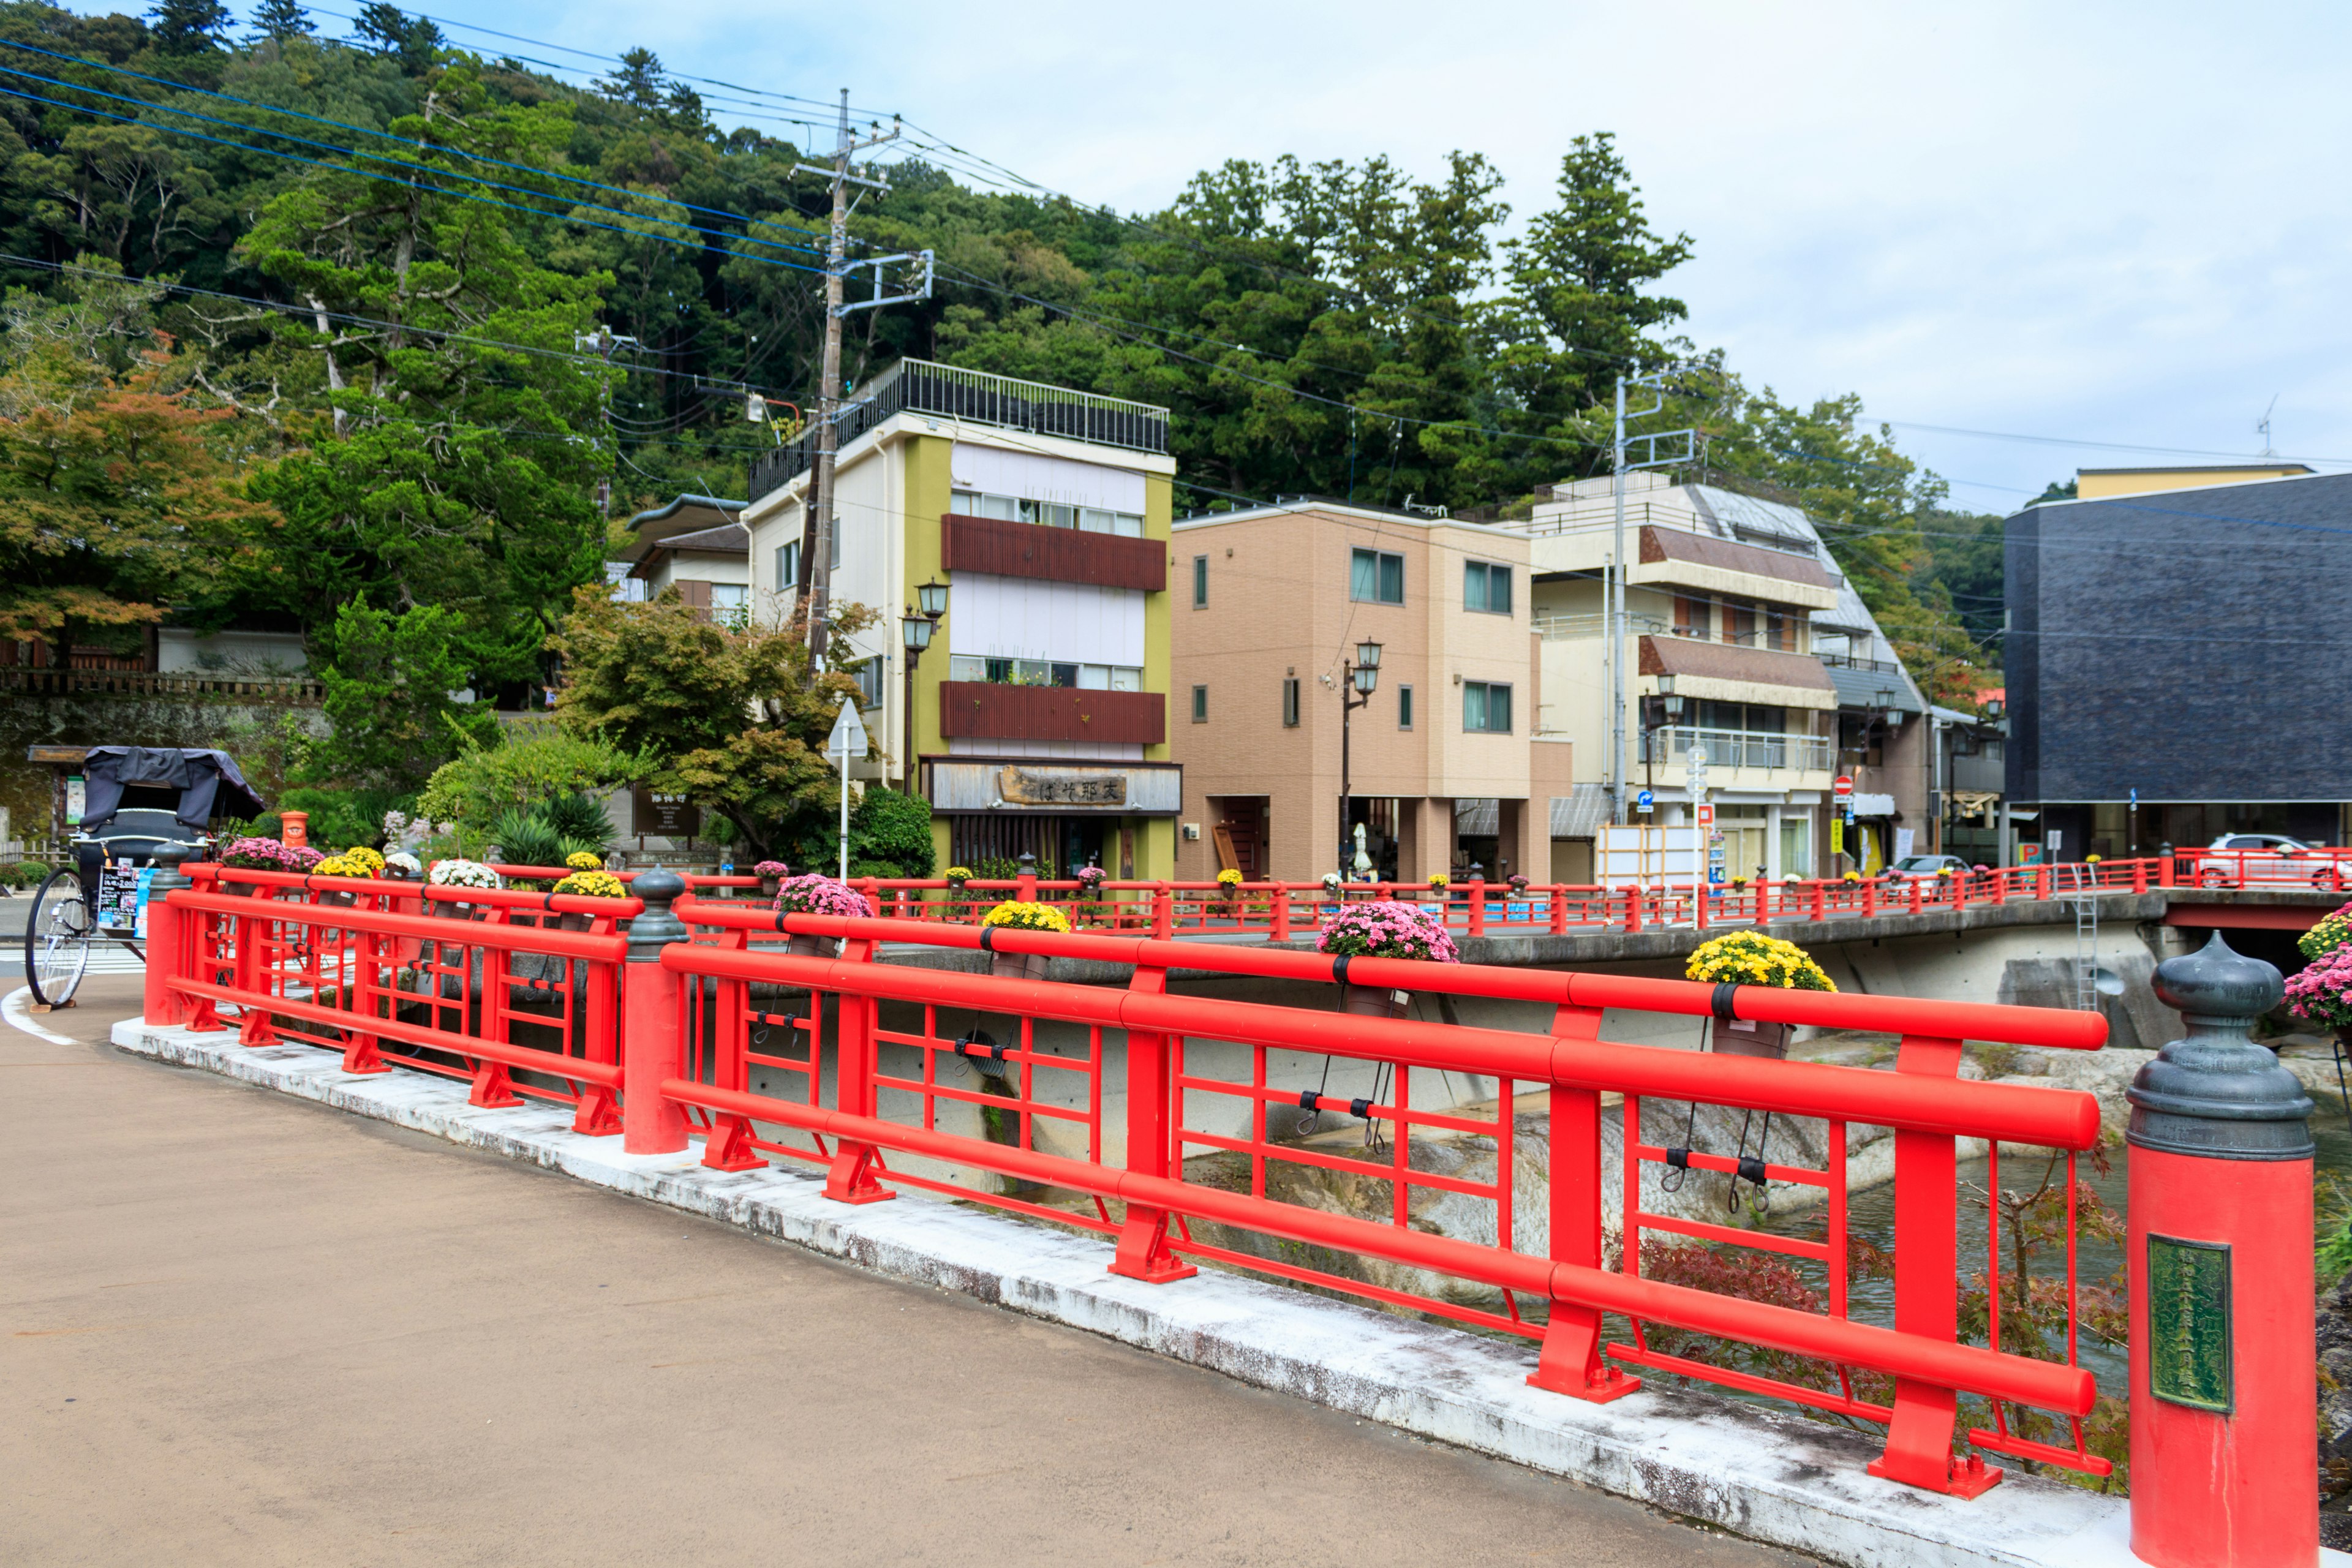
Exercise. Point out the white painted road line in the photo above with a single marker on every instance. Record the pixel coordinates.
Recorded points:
(15, 1011)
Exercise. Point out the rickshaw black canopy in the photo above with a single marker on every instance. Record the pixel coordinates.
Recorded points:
(209, 784)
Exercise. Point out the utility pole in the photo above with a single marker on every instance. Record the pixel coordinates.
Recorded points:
(817, 526)
(1613, 591)
(1613, 586)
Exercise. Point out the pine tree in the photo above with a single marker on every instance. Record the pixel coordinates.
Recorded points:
(188, 26)
(281, 19)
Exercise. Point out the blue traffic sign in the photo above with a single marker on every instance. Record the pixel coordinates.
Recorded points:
(1643, 802)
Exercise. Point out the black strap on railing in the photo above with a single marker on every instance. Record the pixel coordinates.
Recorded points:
(1724, 1002)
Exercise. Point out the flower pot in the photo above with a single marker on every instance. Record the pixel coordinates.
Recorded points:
(1748, 1038)
(244, 889)
(1372, 1003)
(769, 885)
(335, 899)
(1018, 965)
(814, 946)
(573, 921)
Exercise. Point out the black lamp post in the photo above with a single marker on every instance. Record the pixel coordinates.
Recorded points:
(1670, 713)
(1356, 683)
(915, 630)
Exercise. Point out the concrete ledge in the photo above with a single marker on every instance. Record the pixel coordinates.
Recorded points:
(1769, 1477)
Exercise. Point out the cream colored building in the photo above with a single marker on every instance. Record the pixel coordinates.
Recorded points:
(1040, 712)
(1445, 764)
(1720, 600)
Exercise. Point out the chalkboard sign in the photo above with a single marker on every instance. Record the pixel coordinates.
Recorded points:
(668, 815)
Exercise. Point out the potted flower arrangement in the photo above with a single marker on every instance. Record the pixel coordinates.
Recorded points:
(596, 884)
(1385, 927)
(1090, 879)
(1751, 957)
(1229, 890)
(2321, 992)
(811, 894)
(1015, 914)
(400, 865)
(771, 875)
(1518, 884)
(346, 864)
(265, 855)
(957, 877)
(464, 874)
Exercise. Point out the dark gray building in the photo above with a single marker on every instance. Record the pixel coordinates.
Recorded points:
(2181, 646)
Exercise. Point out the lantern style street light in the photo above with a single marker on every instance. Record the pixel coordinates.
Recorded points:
(916, 628)
(1358, 682)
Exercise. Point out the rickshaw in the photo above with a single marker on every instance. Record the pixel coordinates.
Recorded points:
(119, 805)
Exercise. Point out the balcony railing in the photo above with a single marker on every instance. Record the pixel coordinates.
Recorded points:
(1671, 745)
(974, 397)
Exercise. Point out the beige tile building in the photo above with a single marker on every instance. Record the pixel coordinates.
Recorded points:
(1446, 763)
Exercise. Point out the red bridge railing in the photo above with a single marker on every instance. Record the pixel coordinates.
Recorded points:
(1178, 1127)
(1284, 911)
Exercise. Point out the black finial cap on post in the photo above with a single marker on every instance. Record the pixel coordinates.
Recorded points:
(656, 927)
(1028, 862)
(169, 858)
(2216, 1093)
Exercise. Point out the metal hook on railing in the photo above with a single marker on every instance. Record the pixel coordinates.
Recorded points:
(1680, 1158)
(1752, 1169)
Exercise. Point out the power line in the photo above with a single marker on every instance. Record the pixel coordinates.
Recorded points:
(367, 130)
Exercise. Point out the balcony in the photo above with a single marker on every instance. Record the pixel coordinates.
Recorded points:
(973, 397)
(990, 711)
(1009, 549)
(1670, 746)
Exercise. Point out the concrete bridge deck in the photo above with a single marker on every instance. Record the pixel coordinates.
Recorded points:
(243, 1329)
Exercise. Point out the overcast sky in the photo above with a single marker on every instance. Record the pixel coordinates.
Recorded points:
(2091, 223)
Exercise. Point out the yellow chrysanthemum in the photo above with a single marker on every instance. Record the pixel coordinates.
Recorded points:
(1020, 915)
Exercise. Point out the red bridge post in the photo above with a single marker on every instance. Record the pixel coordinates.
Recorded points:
(2223, 1379)
(653, 1041)
(167, 938)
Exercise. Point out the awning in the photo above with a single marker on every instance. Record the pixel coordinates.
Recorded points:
(1580, 814)
(1874, 805)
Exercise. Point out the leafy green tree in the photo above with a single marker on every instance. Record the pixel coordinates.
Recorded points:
(391, 682)
(728, 714)
(281, 20)
(411, 40)
(188, 26)
(118, 494)
(457, 472)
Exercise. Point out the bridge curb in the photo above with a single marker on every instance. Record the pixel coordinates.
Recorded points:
(1769, 1477)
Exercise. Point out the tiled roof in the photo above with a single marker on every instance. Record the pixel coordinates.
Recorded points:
(1701, 549)
(1730, 661)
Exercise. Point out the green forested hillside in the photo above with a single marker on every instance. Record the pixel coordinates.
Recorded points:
(369, 296)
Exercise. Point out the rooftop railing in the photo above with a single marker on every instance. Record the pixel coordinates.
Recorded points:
(973, 397)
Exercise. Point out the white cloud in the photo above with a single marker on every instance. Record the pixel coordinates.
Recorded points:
(2109, 222)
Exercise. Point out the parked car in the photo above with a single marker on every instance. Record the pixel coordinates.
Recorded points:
(1929, 866)
(2258, 859)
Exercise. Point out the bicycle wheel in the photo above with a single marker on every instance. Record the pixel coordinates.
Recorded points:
(57, 940)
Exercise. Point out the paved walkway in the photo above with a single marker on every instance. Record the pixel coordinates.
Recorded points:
(238, 1329)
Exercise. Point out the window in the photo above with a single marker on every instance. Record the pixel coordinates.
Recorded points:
(1376, 577)
(1200, 581)
(729, 596)
(788, 565)
(1739, 623)
(1693, 617)
(1045, 513)
(1485, 708)
(1200, 705)
(1290, 703)
(869, 683)
(1486, 586)
(1046, 672)
(1405, 707)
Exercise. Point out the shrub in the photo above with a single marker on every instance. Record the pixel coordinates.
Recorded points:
(895, 830)
(592, 884)
(581, 860)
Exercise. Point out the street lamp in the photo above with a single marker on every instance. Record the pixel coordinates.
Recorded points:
(915, 630)
(1357, 682)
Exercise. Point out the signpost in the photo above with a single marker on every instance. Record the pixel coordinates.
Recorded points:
(847, 741)
(1703, 866)
(1644, 803)
(1842, 814)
